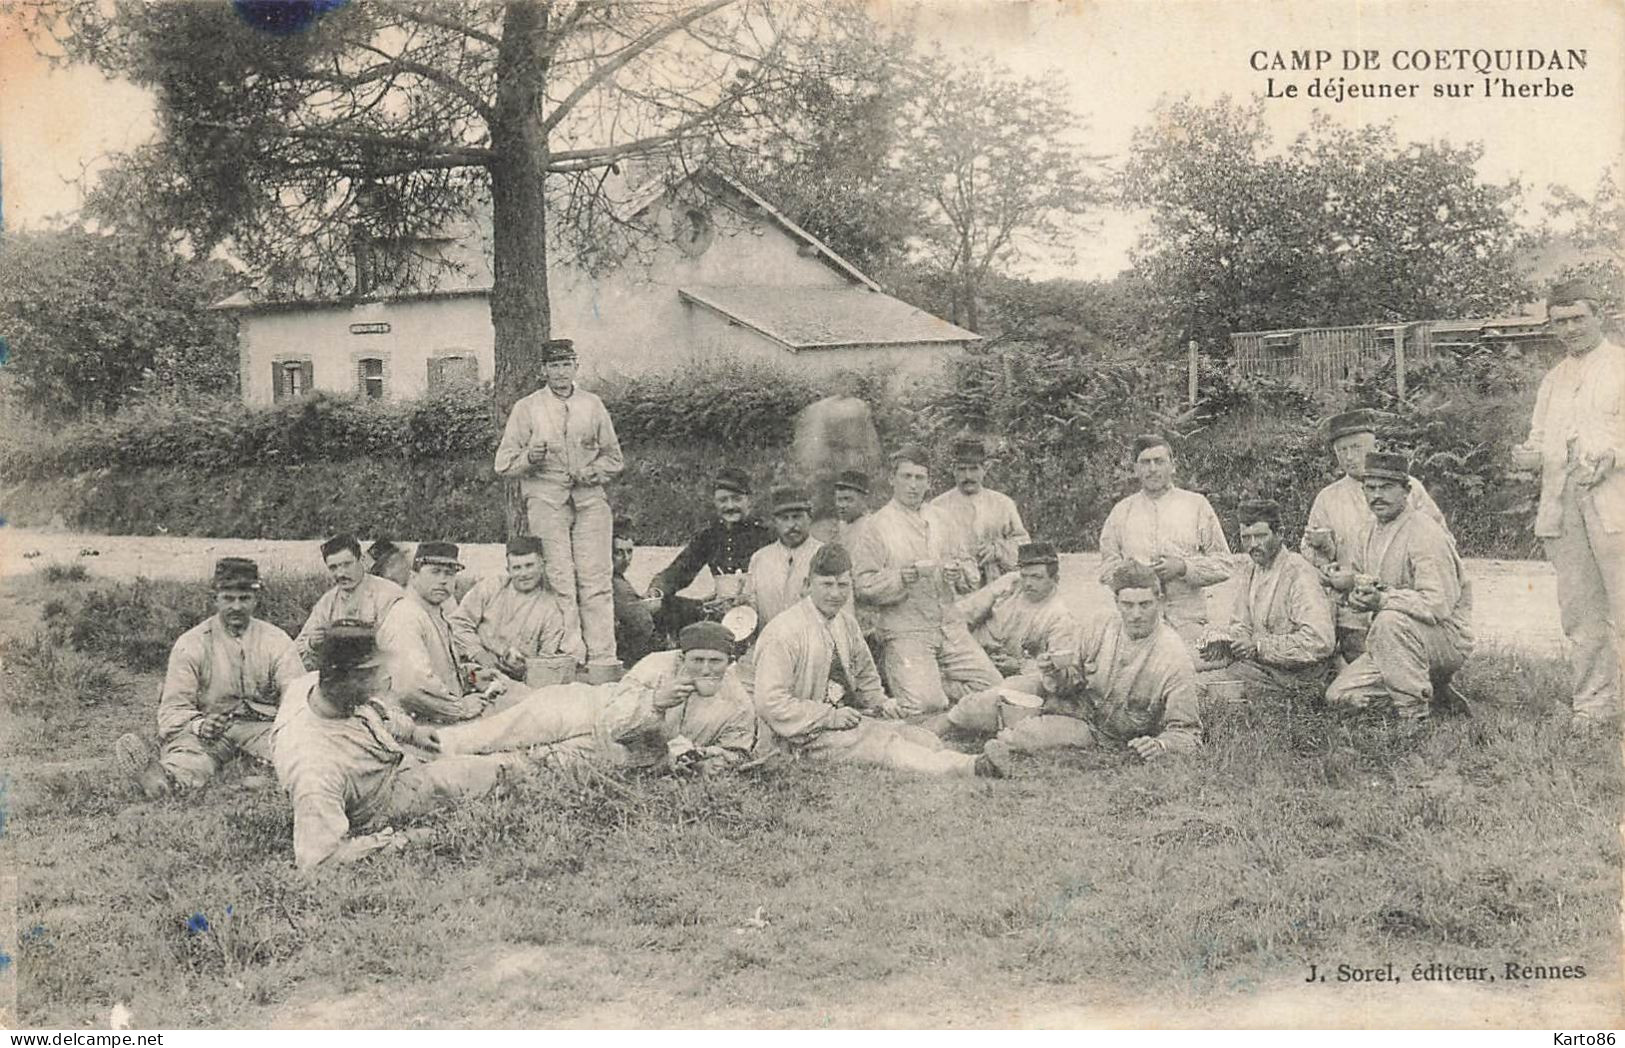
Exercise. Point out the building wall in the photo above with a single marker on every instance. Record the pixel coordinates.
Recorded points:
(627, 318)
(418, 331)
(715, 337)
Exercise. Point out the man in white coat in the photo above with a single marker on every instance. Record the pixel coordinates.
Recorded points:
(1577, 441)
(1173, 531)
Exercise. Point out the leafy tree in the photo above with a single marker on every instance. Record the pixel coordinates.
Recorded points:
(825, 155)
(89, 318)
(998, 163)
(1343, 226)
(294, 138)
(1594, 228)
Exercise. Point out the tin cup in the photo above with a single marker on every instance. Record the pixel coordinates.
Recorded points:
(1016, 706)
(542, 670)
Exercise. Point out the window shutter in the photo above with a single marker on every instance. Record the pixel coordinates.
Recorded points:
(436, 373)
(361, 377)
(279, 385)
(307, 371)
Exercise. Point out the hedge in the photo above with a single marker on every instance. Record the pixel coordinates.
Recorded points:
(1060, 424)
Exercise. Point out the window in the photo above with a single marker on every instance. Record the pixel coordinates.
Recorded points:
(370, 377)
(291, 378)
(457, 369)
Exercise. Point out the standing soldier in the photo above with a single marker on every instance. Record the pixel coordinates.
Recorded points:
(1577, 441)
(985, 522)
(905, 574)
(355, 597)
(561, 446)
(1173, 531)
(1340, 513)
(221, 689)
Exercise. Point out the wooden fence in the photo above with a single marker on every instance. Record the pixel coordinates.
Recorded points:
(1324, 357)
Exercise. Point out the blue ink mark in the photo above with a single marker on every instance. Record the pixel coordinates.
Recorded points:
(5, 960)
(284, 17)
(5, 350)
(197, 924)
(34, 934)
(229, 911)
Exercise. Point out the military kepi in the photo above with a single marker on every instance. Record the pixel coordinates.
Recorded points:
(236, 573)
(853, 480)
(558, 350)
(1348, 423)
(1036, 553)
(1387, 466)
(445, 553)
(787, 498)
(730, 478)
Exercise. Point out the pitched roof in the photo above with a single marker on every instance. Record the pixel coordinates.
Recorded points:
(822, 318)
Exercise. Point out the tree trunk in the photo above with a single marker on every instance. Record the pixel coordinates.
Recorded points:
(521, 316)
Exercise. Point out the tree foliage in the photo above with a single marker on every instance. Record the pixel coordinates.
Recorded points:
(385, 120)
(998, 163)
(90, 318)
(1595, 227)
(1343, 226)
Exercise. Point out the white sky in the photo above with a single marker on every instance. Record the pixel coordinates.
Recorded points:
(1118, 55)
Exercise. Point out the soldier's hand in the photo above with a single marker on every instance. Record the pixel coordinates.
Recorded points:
(909, 574)
(952, 573)
(469, 707)
(536, 455)
(889, 710)
(213, 725)
(316, 637)
(512, 663)
(1147, 749)
(1366, 600)
(1169, 566)
(673, 694)
(1244, 649)
(1526, 456)
(1338, 578)
(843, 718)
(1595, 470)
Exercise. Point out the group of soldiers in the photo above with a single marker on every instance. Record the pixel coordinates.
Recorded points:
(901, 636)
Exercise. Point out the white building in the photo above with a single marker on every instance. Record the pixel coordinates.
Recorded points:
(717, 273)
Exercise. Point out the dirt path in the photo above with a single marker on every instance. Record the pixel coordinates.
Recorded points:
(1514, 601)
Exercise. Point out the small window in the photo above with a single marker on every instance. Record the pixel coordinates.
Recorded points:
(290, 378)
(453, 370)
(370, 374)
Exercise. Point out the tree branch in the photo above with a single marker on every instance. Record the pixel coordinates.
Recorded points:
(424, 15)
(393, 63)
(465, 156)
(608, 70)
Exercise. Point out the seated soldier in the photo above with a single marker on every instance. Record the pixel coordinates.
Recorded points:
(415, 639)
(504, 621)
(673, 707)
(778, 571)
(339, 757)
(1281, 633)
(1020, 614)
(220, 691)
(816, 681)
(906, 579)
(355, 597)
(634, 613)
(1405, 570)
(724, 547)
(390, 561)
(1129, 683)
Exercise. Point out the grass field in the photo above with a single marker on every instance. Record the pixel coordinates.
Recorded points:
(1086, 890)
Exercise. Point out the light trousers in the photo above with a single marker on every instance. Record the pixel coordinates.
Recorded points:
(191, 761)
(926, 671)
(576, 547)
(1401, 657)
(558, 715)
(889, 744)
(1590, 567)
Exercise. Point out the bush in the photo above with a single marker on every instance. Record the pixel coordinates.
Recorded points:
(135, 624)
